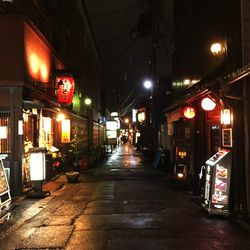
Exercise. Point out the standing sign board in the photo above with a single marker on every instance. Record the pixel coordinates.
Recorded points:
(37, 171)
(217, 184)
(4, 187)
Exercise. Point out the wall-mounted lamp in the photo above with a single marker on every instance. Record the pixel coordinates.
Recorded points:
(60, 117)
(217, 49)
(141, 116)
(226, 116)
(208, 104)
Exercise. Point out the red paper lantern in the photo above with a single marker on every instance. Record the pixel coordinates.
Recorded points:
(189, 112)
(66, 88)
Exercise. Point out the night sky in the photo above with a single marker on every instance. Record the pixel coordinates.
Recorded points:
(125, 47)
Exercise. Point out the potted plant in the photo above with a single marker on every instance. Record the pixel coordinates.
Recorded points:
(71, 152)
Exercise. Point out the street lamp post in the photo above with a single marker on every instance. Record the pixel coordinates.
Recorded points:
(88, 103)
(152, 116)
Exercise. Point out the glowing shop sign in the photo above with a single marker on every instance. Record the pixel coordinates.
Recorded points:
(111, 125)
(65, 135)
(182, 154)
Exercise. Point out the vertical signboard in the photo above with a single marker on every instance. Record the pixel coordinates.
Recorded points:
(217, 182)
(37, 164)
(65, 135)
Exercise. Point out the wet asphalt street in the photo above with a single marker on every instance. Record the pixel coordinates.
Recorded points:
(120, 205)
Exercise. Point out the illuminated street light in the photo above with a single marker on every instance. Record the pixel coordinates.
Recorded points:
(217, 49)
(87, 101)
(126, 120)
(148, 84)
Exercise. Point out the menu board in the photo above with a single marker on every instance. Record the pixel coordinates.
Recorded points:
(227, 137)
(221, 185)
(217, 185)
(4, 186)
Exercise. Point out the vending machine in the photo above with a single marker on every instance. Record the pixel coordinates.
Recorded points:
(217, 182)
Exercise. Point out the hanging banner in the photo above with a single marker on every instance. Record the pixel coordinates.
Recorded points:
(66, 88)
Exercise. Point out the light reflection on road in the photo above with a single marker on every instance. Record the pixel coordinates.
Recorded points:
(125, 156)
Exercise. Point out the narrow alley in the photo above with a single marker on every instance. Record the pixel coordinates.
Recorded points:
(119, 204)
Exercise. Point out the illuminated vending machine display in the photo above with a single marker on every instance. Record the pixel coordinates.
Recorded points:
(217, 182)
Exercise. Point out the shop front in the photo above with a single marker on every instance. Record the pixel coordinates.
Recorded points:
(36, 106)
(195, 130)
(214, 143)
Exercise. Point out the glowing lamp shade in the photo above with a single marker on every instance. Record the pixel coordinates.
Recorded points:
(216, 48)
(87, 101)
(189, 112)
(141, 116)
(208, 104)
(65, 133)
(66, 88)
(60, 117)
(226, 117)
(37, 165)
(180, 175)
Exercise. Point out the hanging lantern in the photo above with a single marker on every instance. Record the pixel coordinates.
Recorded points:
(66, 88)
(208, 104)
(189, 112)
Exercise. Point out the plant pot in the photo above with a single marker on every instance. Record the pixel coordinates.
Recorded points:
(72, 176)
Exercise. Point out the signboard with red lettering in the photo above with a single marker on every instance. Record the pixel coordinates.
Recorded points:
(66, 88)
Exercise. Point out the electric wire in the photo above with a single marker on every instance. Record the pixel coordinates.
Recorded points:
(130, 94)
(129, 107)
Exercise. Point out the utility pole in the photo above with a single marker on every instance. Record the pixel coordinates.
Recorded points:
(155, 15)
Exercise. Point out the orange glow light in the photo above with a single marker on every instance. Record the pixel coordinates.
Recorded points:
(141, 116)
(34, 63)
(44, 72)
(37, 54)
(189, 112)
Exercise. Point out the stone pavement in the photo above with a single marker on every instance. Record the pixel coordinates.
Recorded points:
(121, 204)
